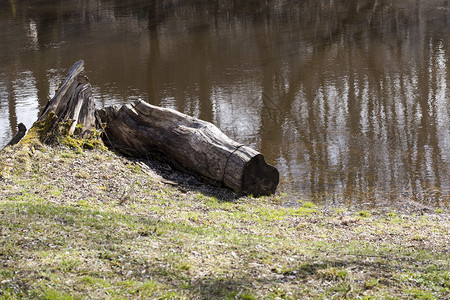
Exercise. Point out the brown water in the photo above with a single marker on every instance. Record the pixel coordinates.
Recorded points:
(349, 99)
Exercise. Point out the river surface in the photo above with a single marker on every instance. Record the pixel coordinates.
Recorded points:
(349, 100)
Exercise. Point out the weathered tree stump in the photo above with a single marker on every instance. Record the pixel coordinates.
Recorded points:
(72, 105)
(140, 129)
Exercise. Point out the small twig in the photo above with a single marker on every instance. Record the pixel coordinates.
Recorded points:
(125, 197)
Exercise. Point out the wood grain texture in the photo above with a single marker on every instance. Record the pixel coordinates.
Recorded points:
(140, 129)
(73, 103)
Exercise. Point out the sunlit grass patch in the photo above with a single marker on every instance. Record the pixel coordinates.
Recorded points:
(128, 235)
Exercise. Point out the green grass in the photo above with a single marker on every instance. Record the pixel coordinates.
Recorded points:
(93, 225)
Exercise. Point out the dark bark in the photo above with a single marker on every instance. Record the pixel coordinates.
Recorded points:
(19, 135)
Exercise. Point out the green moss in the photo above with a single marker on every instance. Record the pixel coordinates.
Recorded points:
(52, 132)
(73, 143)
(364, 214)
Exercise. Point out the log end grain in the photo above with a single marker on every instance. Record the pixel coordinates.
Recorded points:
(259, 178)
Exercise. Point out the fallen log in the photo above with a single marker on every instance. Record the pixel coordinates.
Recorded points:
(140, 129)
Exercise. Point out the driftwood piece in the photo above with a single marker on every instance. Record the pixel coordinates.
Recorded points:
(140, 129)
(72, 104)
(19, 135)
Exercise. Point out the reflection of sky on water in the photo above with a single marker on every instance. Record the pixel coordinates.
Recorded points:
(442, 102)
(233, 115)
(25, 93)
(5, 128)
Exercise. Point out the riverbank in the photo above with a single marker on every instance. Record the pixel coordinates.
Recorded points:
(93, 224)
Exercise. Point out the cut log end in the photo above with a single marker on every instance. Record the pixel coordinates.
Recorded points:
(259, 178)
